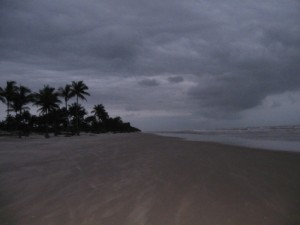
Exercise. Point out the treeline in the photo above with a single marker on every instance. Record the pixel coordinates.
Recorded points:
(56, 114)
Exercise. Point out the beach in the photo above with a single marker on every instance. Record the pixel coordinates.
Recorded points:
(144, 179)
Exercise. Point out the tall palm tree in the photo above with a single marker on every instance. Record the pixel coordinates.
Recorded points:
(67, 94)
(79, 89)
(8, 93)
(20, 98)
(18, 104)
(47, 100)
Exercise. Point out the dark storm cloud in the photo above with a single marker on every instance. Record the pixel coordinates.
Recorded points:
(237, 52)
(247, 87)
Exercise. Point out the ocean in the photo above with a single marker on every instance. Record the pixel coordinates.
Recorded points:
(282, 138)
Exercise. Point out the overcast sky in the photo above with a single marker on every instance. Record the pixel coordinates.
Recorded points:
(162, 64)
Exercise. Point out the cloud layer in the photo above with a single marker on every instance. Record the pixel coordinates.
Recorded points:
(201, 60)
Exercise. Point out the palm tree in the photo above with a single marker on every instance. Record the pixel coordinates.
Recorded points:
(79, 89)
(101, 117)
(7, 94)
(47, 100)
(19, 100)
(100, 112)
(67, 94)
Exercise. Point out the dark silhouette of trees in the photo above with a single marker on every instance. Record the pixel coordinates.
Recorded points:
(101, 122)
(19, 101)
(77, 113)
(100, 118)
(58, 120)
(70, 118)
(23, 122)
(79, 89)
(116, 125)
(91, 124)
(47, 100)
(8, 93)
(100, 113)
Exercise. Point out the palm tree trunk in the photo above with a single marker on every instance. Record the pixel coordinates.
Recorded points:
(19, 123)
(67, 116)
(47, 126)
(7, 108)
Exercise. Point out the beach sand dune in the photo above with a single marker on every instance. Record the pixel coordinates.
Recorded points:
(143, 179)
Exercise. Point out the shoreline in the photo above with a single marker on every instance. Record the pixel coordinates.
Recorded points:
(141, 178)
(157, 134)
(263, 144)
(40, 137)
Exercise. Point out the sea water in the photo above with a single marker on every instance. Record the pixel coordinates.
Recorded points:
(283, 138)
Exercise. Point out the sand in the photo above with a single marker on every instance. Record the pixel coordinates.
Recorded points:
(143, 179)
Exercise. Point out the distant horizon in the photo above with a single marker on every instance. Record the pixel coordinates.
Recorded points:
(227, 128)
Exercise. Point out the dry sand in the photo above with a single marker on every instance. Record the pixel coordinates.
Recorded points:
(128, 179)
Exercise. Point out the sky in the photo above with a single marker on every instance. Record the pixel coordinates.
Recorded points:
(162, 65)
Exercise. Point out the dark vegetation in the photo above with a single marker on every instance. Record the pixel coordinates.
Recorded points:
(56, 114)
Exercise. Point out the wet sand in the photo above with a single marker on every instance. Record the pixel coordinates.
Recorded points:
(143, 179)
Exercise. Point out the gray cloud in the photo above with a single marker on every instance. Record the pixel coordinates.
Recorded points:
(148, 82)
(238, 53)
(176, 79)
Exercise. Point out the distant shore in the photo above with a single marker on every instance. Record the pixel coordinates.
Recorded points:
(144, 179)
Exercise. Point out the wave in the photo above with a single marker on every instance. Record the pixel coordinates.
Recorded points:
(285, 138)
